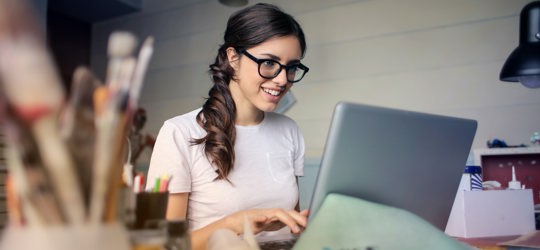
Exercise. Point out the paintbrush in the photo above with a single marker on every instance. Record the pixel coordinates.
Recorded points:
(20, 184)
(110, 126)
(36, 98)
(132, 89)
(17, 18)
(143, 60)
(39, 202)
(39, 114)
(105, 118)
(77, 126)
(116, 183)
(120, 48)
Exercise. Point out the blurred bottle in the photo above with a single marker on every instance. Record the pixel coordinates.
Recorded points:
(472, 178)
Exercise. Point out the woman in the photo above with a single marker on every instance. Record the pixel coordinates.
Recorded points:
(235, 156)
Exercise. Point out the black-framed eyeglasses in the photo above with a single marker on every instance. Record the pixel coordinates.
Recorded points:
(270, 68)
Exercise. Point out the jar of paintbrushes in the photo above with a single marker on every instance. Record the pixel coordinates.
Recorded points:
(64, 151)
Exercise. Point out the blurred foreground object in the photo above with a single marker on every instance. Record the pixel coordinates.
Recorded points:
(44, 173)
(64, 153)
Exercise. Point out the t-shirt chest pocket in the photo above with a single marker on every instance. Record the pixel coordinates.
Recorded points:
(280, 165)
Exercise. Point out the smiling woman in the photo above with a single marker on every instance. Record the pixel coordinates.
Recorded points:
(235, 156)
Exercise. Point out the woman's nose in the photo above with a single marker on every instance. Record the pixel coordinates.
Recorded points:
(281, 78)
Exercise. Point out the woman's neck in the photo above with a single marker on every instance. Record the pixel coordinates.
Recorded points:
(246, 113)
(248, 116)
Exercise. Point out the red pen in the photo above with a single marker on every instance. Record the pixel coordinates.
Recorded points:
(138, 183)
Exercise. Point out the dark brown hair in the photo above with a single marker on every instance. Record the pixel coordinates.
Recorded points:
(245, 29)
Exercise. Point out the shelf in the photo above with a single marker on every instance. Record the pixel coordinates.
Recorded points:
(478, 153)
(498, 164)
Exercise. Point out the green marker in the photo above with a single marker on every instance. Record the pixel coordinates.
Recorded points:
(156, 185)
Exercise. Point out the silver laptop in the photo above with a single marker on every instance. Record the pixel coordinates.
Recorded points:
(409, 160)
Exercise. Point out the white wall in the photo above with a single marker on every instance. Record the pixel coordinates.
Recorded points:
(434, 56)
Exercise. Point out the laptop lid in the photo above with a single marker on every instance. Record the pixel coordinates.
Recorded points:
(409, 160)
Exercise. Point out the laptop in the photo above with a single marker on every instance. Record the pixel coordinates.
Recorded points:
(394, 157)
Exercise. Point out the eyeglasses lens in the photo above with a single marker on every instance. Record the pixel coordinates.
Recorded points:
(270, 69)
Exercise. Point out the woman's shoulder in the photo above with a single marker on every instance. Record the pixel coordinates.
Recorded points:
(281, 119)
(186, 117)
(187, 121)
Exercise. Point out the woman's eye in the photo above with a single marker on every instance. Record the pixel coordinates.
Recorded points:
(269, 64)
(292, 68)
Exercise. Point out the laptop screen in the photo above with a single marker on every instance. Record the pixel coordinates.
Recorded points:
(409, 160)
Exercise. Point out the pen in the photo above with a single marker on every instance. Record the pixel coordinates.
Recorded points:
(164, 183)
(138, 183)
(157, 184)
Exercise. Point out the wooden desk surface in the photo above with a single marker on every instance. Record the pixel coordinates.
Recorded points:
(487, 243)
(491, 243)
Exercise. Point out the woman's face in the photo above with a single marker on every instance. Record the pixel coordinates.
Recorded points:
(250, 90)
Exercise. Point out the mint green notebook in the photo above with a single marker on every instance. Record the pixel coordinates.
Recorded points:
(345, 222)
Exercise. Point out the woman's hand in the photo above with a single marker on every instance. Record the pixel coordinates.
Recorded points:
(268, 220)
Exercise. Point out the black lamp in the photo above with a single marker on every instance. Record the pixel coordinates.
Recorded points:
(523, 64)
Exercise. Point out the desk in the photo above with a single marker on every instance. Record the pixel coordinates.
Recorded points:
(487, 243)
(528, 241)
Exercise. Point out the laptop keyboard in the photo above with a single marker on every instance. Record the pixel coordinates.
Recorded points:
(278, 245)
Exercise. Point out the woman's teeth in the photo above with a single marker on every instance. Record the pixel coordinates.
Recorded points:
(272, 92)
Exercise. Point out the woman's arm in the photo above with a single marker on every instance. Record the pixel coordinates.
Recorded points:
(177, 209)
(261, 220)
(177, 206)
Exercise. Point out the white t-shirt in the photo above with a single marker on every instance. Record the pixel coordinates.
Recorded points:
(269, 156)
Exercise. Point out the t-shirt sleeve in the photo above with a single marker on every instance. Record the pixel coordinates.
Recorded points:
(170, 157)
(299, 152)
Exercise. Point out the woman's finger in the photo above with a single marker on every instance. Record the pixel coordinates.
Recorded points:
(260, 218)
(299, 217)
(273, 219)
(292, 219)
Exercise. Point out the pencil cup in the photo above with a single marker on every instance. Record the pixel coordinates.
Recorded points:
(150, 209)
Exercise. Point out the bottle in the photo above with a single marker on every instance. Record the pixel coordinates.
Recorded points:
(514, 184)
(472, 175)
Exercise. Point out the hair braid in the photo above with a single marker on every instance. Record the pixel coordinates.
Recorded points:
(217, 118)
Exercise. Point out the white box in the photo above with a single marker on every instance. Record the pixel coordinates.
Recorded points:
(491, 213)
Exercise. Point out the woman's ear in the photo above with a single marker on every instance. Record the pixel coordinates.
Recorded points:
(233, 57)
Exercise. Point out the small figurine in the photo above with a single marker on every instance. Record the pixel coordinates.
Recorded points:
(137, 139)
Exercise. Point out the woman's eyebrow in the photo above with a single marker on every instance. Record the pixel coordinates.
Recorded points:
(277, 58)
